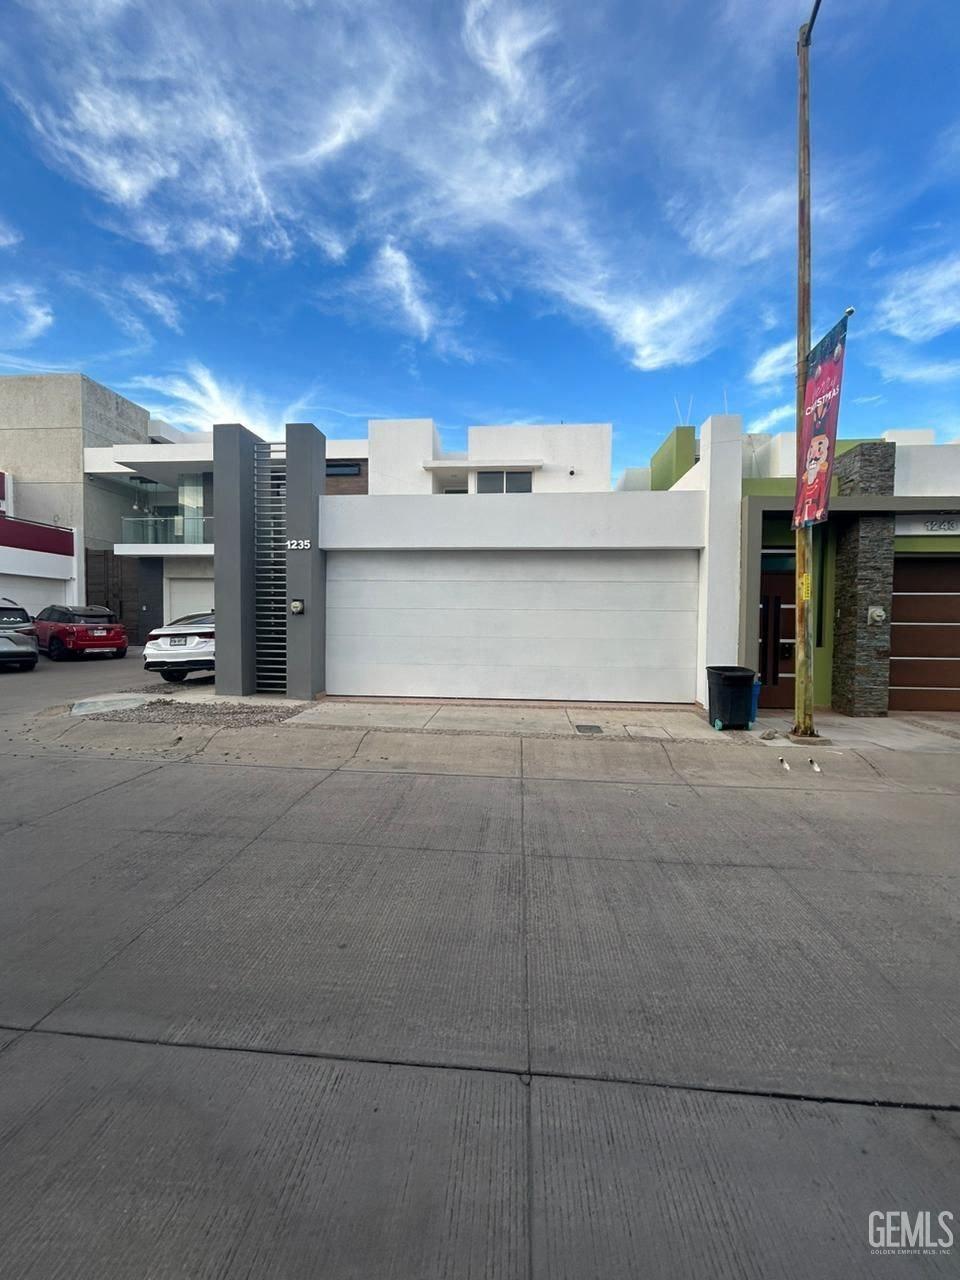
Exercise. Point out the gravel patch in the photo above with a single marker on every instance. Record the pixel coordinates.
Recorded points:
(173, 711)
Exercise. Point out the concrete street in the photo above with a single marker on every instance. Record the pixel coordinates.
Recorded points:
(367, 995)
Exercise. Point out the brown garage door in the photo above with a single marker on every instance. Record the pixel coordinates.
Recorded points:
(925, 635)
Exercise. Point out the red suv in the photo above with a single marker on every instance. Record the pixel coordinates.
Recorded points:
(66, 631)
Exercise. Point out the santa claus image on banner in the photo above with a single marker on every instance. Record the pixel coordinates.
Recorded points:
(817, 444)
(816, 481)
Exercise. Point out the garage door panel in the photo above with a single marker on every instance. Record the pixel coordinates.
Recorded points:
(32, 594)
(925, 673)
(451, 594)
(545, 651)
(925, 699)
(499, 566)
(927, 573)
(617, 685)
(577, 624)
(580, 625)
(919, 640)
(188, 595)
(923, 607)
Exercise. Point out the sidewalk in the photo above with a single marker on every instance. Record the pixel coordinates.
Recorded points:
(899, 731)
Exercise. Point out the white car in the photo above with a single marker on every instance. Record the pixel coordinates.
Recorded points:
(181, 647)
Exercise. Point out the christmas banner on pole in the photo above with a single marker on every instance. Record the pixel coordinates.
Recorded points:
(818, 432)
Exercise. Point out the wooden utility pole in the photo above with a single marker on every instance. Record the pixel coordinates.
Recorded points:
(804, 636)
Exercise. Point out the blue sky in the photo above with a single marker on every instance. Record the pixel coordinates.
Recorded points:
(478, 211)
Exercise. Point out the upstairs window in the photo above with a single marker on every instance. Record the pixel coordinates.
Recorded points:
(343, 468)
(504, 482)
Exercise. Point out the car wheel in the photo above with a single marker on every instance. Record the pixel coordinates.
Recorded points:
(174, 676)
(119, 653)
(28, 666)
(55, 650)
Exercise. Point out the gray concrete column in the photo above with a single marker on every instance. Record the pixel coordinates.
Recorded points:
(306, 564)
(234, 550)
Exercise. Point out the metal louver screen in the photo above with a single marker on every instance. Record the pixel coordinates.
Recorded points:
(270, 524)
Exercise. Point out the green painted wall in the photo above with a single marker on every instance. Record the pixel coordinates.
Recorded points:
(674, 458)
(776, 487)
(825, 564)
(928, 546)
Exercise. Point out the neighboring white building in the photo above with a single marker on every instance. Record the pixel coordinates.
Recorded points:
(924, 468)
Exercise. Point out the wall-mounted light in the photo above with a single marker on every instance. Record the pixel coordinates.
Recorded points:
(296, 606)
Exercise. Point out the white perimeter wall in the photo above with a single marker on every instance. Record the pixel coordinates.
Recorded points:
(514, 521)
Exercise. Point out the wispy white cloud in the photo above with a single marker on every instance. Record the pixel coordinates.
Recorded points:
(500, 36)
(751, 224)
(656, 329)
(905, 366)
(9, 235)
(196, 399)
(400, 284)
(782, 413)
(25, 315)
(865, 400)
(155, 300)
(23, 364)
(922, 302)
(775, 365)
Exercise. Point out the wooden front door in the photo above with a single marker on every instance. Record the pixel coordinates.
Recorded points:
(777, 633)
(113, 581)
(925, 634)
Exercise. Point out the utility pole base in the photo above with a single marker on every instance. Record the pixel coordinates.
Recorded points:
(808, 739)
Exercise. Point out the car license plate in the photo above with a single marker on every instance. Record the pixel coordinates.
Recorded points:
(99, 631)
(175, 640)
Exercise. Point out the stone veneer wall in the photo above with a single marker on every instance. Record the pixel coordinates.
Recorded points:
(864, 578)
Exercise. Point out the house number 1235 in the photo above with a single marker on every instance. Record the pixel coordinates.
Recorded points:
(298, 544)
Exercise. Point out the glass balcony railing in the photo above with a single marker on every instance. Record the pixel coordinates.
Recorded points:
(167, 529)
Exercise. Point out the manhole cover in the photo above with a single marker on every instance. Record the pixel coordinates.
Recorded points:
(588, 728)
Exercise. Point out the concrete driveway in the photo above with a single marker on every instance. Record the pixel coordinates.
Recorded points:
(442, 1004)
(55, 682)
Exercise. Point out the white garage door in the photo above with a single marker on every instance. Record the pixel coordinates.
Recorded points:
(608, 625)
(33, 594)
(188, 595)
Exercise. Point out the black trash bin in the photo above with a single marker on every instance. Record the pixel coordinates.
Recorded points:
(731, 697)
